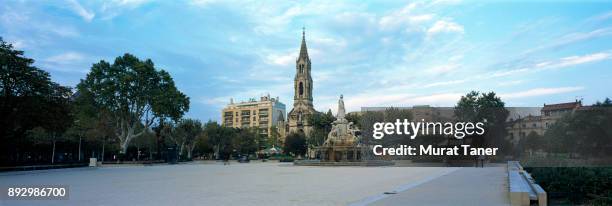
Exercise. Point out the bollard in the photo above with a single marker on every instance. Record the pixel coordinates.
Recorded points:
(93, 162)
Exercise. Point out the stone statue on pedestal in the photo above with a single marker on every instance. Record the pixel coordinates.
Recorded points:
(342, 132)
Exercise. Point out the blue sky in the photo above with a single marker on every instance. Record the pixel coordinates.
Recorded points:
(391, 53)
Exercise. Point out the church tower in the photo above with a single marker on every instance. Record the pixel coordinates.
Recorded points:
(302, 98)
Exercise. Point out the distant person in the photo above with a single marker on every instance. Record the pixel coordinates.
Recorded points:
(481, 159)
(226, 154)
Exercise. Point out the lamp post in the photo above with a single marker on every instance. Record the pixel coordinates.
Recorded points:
(80, 137)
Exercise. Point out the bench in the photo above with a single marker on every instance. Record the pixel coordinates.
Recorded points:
(522, 187)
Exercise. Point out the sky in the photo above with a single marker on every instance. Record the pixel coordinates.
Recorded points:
(389, 53)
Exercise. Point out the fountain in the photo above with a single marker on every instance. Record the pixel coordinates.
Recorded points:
(342, 146)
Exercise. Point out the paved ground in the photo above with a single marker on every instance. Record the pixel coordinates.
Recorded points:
(267, 184)
(466, 186)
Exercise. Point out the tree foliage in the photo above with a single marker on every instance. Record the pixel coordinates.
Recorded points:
(135, 93)
(585, 132)
(295, 143)
(186, 134)
(28, 100)
(321, 126)
(489, 109)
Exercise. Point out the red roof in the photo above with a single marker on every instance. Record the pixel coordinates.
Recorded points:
(562, 106)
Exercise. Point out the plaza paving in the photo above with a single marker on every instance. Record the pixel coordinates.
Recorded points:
(212, 183)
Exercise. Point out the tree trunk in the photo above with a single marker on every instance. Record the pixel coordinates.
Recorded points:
(53, 153)
(158, 146)
(181, 149)
(103, 143)
(190, 151)
(124, 146)
(217, 147)
(79, 149)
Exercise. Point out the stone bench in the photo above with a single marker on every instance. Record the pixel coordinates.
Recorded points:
(522, 187)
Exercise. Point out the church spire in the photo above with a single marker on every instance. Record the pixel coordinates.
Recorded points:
(303, 50)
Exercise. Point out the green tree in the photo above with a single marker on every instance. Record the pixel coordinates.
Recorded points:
(489, 109)
(28, 99)
(187, 134)
(273, 141)
(321, 126)
(214, 134)
(203, 145)
(355, 118)
(533, 141)
(586, 132)
(40, 135)
(135, 94)
(295, 143)
(245, 142)
(145, 141)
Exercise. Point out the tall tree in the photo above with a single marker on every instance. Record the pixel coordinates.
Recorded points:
(213, 132)
(321, 126)
(186, 136)
(28, 99)
(246, 141)
(135, 94)
(489, 109)
(295, 143)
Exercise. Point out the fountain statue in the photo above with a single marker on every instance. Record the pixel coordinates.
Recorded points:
(342, 146)
(343, 131)
(342, 142)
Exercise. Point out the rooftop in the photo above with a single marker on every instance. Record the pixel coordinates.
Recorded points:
(562, 106)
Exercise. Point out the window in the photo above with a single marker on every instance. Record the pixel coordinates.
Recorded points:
(301, 89)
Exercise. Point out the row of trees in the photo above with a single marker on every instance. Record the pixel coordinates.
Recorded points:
(127, 109)
(30, 104)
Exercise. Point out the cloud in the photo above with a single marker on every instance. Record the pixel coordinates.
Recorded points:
(285, 59)
(202, 3)
(81, 11)
(66, 57)
(510, 83)
(444, 83)
(113, 8)
(540, 92)
(554, 64)
(67, 62)
(571, 38)
(574, 60)
(602, 17)
(411, 15)
(131, 3)
(442, 26)
(217, 102)
(443, 68)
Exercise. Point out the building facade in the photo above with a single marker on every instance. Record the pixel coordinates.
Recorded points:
(264, 114)
(549, 114)
(297, 119)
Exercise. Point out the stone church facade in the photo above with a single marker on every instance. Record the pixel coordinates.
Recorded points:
(297, 118)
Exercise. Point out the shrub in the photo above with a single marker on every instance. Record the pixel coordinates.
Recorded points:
(575, 185)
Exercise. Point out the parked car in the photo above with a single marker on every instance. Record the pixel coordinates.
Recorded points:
(244, 159)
